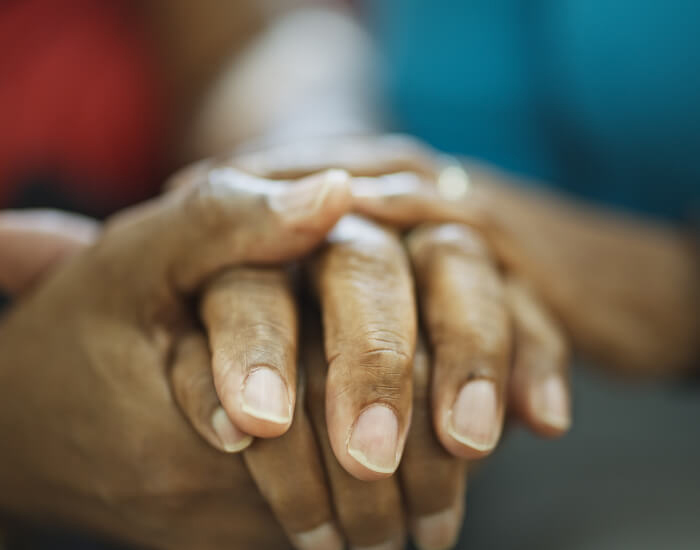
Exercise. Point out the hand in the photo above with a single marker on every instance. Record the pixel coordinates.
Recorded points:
(626, 289)
(539, 364)
(94, 436)
(362, 270)
(319, 505)
(433, 481)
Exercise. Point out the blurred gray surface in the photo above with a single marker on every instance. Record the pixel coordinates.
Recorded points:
(627, 476)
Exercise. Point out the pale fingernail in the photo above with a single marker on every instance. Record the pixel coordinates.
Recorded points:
(551, 402)
(374, 439)
(232, 439)
(265, 396)
(475, 419)
(324, 537)
(305, 199)
(438, 531)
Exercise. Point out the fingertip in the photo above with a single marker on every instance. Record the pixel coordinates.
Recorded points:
(230, 438)
(372, 448)
(550, 405)
(323, 537)
(374, 440)
(472, 426)
(263, 407)
(314, 203)
(438, 531)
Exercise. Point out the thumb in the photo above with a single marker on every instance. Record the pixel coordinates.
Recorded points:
(406, 199)
(33, 241)
(222, 217)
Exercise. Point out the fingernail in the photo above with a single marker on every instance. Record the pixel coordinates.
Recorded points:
(305, 199)
(551, 402)
(374, 439)
(232, 439)
(475, 419)
(324, 537)
(438, 531)
(265, 396)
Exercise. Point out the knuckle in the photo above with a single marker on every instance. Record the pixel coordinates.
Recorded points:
(266, 333)
(209, 201)
(450, 235)
(385, 355)
(390, 347)
(357, 242)
(379, 366)
(202, 206)
(487, 335)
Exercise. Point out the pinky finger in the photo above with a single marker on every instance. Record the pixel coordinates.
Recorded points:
(193, 388)
(539, 390)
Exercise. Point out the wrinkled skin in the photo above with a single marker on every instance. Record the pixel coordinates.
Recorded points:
(363, 513)
(93, 435)
(625, 289)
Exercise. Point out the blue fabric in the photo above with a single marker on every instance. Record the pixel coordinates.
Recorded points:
(601, 97)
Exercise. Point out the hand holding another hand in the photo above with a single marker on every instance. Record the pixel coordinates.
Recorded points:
(93, 435)
(362, 277)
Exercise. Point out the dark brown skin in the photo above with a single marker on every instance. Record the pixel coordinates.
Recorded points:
(94, 436)
(350, 275)
(251, 323)
(367, 513)
(470, 329)
(625, 288)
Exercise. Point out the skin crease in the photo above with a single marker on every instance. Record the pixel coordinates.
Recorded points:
(361, 269)
(374, 156)
(403, 208)
(398, 152)
(103, 333)
(304, 503)
(356, 520)
(187, 280)
(589, 332)
(394, 152)
(636, 312)
(640, 304)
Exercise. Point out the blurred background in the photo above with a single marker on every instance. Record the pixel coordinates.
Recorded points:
(101, 99)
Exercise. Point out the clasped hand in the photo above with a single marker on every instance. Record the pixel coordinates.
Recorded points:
(187, 310)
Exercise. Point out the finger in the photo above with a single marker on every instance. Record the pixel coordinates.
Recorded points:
(369, 514)
(365, 289)
(300, 502)
(406, 199)
(539, 388)
(193, 388)
(299, 499)
(250, 317)
(464, 310)
(432, 480)
(33, 241)
(222, 217)
(361, 156)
